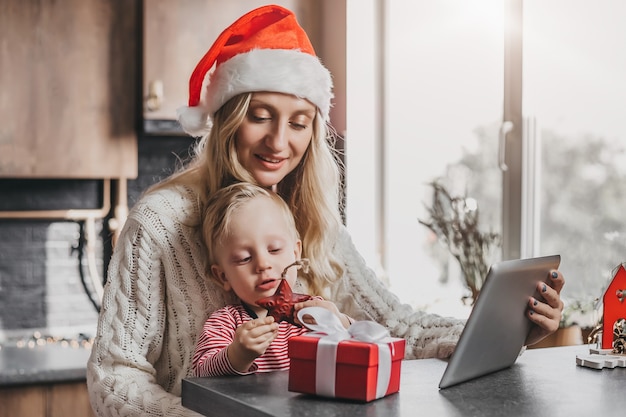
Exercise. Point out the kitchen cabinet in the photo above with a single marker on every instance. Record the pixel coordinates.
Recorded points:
(69, 76)
(56, 400)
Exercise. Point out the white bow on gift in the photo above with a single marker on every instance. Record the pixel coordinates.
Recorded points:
(329, 329)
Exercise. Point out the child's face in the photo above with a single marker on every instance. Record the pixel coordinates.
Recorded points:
(256, 252)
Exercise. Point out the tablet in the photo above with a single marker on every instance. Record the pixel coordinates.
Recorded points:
(497, 327)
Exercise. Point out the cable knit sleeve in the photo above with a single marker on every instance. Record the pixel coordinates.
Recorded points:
(364, 296)
(121, 377)
(155, 302)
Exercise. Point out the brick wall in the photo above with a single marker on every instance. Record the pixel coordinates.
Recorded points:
(40, 264)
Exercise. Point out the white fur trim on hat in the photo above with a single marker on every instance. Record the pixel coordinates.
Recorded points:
(274, 70)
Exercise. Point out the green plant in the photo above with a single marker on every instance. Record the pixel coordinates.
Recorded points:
(455, 222)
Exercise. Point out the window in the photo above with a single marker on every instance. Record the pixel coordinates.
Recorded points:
(574, 94)
(443, 77)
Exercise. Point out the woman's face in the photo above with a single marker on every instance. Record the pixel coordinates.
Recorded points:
(274, 135)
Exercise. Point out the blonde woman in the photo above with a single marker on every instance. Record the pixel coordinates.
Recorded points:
(263, 119)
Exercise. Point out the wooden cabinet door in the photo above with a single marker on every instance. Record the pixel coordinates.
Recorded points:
(23, 401)
(69, 399)
(69, 72)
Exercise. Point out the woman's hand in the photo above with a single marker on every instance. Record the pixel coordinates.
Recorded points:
(546, 314)
(251, 341)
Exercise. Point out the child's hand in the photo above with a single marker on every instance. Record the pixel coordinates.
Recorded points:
(251, 340)
(328, 305)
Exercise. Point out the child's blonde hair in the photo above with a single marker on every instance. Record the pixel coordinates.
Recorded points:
(220, 213)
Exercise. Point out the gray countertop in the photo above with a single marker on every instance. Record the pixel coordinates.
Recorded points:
(544, 382)
(51, 363)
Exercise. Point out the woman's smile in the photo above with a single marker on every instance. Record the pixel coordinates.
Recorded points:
(272, 163)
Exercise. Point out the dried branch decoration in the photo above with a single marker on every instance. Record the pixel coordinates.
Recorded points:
(454, 220)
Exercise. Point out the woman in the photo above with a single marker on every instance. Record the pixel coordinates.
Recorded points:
(263, 119)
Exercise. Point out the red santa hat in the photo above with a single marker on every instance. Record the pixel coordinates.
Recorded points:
(264, 50)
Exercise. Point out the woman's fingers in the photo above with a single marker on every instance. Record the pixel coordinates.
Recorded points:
(546, 313)
(556, 281)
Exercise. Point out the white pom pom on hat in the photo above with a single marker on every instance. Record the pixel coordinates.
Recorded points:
(264, 50)
(194, 120)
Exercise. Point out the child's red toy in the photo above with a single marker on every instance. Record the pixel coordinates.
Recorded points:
(280, 305)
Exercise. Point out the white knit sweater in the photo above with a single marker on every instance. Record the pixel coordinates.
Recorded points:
(157, 299)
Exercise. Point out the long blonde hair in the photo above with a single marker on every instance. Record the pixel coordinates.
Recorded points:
(312, 190)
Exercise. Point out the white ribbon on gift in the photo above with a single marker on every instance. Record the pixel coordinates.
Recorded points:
(329, 329)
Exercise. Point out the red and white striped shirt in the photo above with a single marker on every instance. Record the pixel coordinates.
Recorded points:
(210, 358)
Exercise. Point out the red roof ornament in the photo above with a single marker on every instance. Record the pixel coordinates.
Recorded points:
(614, 313)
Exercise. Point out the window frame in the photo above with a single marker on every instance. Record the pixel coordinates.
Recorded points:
(365, 192)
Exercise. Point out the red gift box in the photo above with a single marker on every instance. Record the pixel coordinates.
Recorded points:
(356, 369)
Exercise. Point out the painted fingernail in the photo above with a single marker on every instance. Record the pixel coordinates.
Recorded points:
(544, 288)
(531, 312)
(535, 302)
(555, 275)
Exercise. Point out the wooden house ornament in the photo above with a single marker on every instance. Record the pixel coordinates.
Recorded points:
(614, 313)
